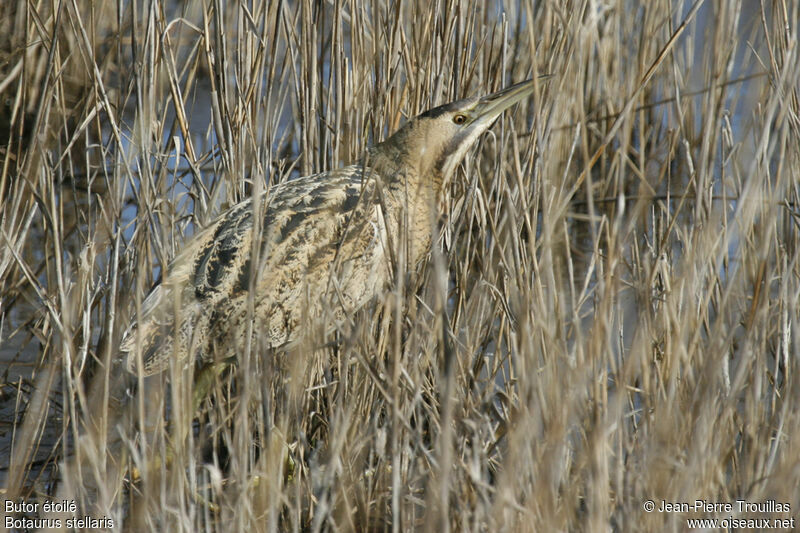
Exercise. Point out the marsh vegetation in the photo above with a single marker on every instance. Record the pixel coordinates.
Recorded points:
(610, 314)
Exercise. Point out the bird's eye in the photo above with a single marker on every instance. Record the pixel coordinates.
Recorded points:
(459, 119)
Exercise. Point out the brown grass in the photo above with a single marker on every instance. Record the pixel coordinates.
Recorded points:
(611, 314)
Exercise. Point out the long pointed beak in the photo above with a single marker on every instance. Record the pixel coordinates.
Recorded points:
(490, 106)
(481, 112)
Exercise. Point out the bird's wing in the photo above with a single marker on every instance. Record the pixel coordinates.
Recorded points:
(188, 287)
(214, 266)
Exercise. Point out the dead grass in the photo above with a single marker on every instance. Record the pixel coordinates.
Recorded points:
(611, 314)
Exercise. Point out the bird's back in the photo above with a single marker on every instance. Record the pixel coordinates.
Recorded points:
(322, 251)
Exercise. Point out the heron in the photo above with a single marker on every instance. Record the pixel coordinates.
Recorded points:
(325, 246)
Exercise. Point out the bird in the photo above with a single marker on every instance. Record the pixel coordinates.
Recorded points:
(325, 246)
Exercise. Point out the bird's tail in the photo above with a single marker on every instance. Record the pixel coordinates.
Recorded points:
(171, 325)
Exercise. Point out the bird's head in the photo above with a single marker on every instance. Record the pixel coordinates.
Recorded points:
(436, 141)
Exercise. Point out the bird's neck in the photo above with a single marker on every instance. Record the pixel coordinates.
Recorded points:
(402, 174)
(412, 198)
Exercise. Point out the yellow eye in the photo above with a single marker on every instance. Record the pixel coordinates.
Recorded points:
(459, 119)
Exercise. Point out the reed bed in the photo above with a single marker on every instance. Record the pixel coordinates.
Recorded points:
(609, 316)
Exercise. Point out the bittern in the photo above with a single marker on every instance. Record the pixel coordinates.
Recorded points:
(328, 244)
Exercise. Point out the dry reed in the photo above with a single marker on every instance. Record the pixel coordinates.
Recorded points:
(610, 316)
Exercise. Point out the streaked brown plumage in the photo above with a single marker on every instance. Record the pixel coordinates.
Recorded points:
(329, 243)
